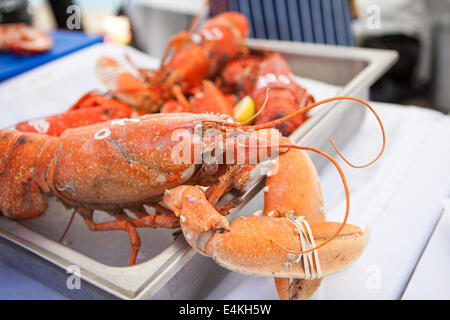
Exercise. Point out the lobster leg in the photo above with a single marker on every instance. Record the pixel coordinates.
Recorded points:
(161, 210)
(154, 221)
(180, 104)
(123, 222)
(115, 225)
(225, 209)
(216, 191)
(140, 212)
(230, 179)
(63, 235)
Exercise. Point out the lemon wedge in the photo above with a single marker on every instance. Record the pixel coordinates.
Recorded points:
(244, 109)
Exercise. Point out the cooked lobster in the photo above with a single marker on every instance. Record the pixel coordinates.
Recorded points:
(253, 75)
(196, 56)
(20, 39)
(123, 164)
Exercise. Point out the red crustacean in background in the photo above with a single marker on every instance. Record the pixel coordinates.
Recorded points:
(90, 109)
(209, 99)
(217, 51)
(20, 39)
(253, 75)
(238, 75)
(195, 57)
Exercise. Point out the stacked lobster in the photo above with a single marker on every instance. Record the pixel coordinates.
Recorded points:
(214, 68)
(182, 164)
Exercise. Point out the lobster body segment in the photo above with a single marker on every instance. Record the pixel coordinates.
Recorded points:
(120, 163)
(112, 165)
(126, 87)
(211, 100)
(223, 37)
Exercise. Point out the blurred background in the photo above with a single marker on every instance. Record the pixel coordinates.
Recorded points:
(418, 29)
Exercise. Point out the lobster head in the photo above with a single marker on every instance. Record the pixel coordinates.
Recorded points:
(211, 140)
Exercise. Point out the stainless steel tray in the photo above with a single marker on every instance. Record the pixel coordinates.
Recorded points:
(167, 268)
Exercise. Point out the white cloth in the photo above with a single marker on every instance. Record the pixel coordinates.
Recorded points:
(431, 278)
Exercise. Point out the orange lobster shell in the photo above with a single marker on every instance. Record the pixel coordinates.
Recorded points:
(90, 109)
(23, 40)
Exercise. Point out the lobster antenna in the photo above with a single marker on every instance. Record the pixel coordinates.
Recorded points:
(191, 29)
(311, 106)
(67, 227)
(197, 16)
(142, 71)
(259, 111)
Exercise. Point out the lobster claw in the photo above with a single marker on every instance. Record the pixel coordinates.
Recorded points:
(255, 245)
(259, 245)
(198, 219)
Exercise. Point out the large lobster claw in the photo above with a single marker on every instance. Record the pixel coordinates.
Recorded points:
(258, 245)
(250, 247)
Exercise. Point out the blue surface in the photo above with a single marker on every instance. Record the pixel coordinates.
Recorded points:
(64, 42)
(315, 21)
(15, 285)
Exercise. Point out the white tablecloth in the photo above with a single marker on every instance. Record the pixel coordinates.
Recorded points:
(398, 198)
